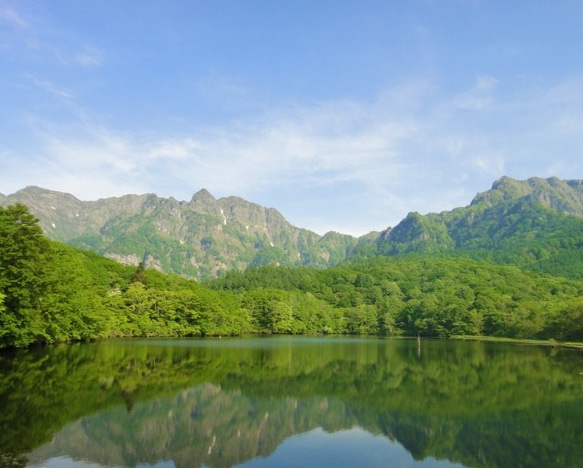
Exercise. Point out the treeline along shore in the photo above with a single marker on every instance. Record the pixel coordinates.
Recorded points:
(52, 293)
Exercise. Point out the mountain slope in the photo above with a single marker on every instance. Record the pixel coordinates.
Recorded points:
(201, 238)
(536, 224)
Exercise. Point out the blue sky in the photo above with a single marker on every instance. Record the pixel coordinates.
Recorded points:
(344, 115)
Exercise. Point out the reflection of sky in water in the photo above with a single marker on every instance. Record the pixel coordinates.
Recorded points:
(354, 447)
(66, 462)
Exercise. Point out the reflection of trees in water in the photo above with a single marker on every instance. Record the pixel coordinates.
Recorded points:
(483, 405)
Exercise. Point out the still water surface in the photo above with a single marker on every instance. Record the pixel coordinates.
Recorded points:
(291, 402)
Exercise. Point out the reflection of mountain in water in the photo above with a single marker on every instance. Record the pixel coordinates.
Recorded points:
(222, 403)
(200, 426)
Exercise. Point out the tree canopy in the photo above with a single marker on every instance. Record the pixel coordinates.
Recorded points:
(51, 293)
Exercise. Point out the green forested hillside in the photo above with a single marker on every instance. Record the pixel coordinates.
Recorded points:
(431, 296)
(54, 293)
(536, 224)
(201, 238)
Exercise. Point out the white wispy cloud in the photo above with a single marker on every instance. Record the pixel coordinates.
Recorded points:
(50, 87)
(89, 56)
(409, 149)
(492, 163)
(33, 40)
(11, 16)
(479, 97)
(308, 148)
(225, 92)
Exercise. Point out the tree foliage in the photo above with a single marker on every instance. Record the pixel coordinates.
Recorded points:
(430, 296)
(24, 260)
(51, 293)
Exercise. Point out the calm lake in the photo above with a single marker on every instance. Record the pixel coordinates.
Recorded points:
(292, 402)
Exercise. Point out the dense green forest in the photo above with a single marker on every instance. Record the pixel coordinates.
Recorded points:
(51, 293)
(423, 295)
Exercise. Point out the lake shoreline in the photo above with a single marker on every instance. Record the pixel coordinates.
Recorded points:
(498, 339)
(491, 339)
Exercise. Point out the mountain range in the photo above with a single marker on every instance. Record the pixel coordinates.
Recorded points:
(536, 224)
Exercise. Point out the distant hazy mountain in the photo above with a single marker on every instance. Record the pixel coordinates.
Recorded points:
(535, 224)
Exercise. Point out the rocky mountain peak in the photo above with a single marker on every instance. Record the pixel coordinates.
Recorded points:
(563, 196)
(206, 237)
(203, 197)
(200, 239)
